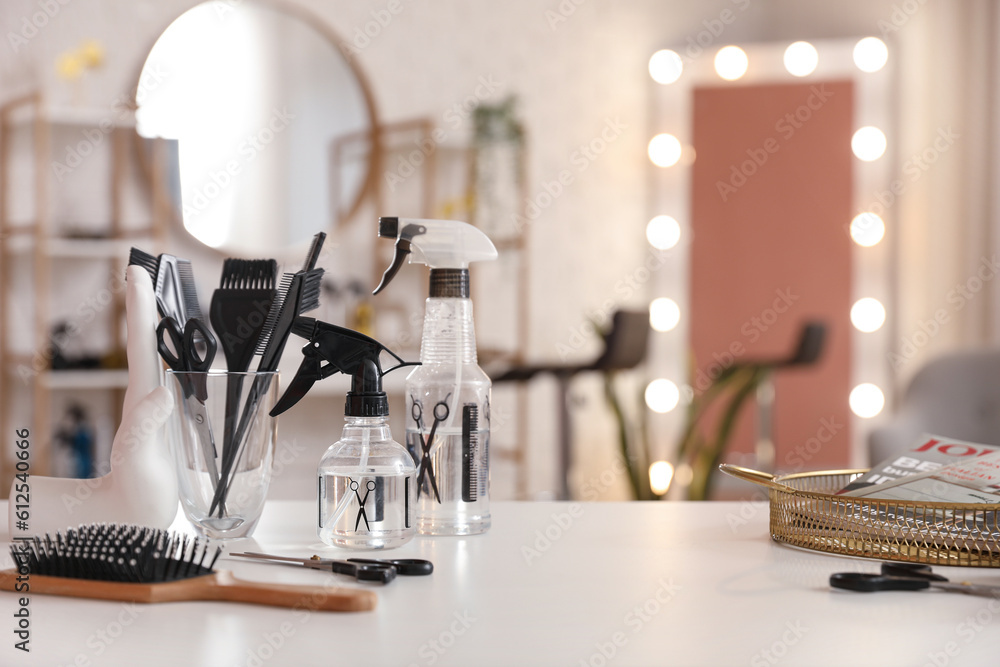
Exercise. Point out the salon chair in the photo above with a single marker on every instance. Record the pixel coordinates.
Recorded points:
(955, 395)
(807, 352)
(625, 346)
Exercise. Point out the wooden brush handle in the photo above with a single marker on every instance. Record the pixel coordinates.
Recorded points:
(220, 585)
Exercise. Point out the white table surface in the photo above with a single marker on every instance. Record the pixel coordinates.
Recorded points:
(645, 583)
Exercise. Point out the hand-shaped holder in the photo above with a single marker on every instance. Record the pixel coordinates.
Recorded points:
(141, 487)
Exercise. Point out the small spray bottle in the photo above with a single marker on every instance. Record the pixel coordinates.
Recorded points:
(366, 479)
(448, 395)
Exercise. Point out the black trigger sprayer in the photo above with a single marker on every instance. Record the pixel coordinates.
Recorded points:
(366, 480)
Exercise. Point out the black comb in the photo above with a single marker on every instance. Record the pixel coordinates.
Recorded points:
(470, 452)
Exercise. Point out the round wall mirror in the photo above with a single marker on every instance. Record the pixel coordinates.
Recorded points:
(275, 129)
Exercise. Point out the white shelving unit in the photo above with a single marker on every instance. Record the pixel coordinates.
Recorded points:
(46, 241)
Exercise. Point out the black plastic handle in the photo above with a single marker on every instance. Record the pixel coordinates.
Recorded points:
(917, 570)
(868, 583)
(405, 566)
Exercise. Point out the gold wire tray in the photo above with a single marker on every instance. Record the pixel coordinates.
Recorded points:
(806, 513)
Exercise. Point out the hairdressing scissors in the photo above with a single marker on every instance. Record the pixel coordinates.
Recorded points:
(179, 350)
(441, 412)
(362, 569)
(906, 577)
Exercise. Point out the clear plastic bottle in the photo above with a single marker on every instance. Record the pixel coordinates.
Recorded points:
(366, 488)
(448, 418)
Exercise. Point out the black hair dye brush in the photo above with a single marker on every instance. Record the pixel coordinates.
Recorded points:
(138, 564)
(238, 314)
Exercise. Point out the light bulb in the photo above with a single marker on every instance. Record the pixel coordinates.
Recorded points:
(665, 66)
(866, 400)
(801, 59)
(731, 62)
(868, 314)
(868, 143)
(663, 232)
(870, 54)
(661, 474)
(662, 395)
(664, 150)
(664, 314)
(867, 229)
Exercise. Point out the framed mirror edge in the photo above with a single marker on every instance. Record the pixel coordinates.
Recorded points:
(369, 185)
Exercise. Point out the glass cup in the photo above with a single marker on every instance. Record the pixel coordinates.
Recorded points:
(223, 439)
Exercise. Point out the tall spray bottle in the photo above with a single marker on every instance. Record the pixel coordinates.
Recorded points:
(366, 480)
(448, 395)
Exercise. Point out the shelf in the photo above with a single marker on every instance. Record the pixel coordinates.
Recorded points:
(70, 248)
(91, 117)
(85, 379)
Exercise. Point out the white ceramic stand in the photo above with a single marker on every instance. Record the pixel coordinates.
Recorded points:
(142, 485)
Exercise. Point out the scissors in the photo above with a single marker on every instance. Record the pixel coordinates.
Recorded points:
(179, 350)
(441, 412)
(182, 352)
(906, 577)
(362, 569)
(362, 514)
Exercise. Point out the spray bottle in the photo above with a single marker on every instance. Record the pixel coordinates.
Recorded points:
(366, 479)
(448, 395)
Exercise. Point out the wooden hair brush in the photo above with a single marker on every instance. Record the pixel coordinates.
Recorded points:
(137, 564)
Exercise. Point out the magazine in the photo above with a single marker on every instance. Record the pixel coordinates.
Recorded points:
(972, 477)
(929, 454)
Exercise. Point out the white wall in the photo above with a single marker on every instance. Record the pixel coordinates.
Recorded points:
(574, 78)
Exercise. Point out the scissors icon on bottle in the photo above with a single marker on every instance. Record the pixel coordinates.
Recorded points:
(370, 486)
(441, 413)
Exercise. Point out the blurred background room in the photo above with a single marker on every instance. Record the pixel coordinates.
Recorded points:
(729, 230)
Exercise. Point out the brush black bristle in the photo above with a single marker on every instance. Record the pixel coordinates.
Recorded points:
(311, 289)
(249, 274)
(149, 262)
(117, 552)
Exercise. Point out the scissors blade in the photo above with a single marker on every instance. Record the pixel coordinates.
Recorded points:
(382, 572)
(968, 589)
(199, 416)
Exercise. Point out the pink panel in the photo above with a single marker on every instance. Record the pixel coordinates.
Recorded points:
(771, 201)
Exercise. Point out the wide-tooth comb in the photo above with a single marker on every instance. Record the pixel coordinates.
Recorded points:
(138, 564)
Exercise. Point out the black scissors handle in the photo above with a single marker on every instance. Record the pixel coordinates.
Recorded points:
(915, 570)
(404, 566)
(870, 583)
(181, 354)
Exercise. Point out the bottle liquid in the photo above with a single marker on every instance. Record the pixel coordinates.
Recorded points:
(366, 484)
(366, 480)
(448, 395)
